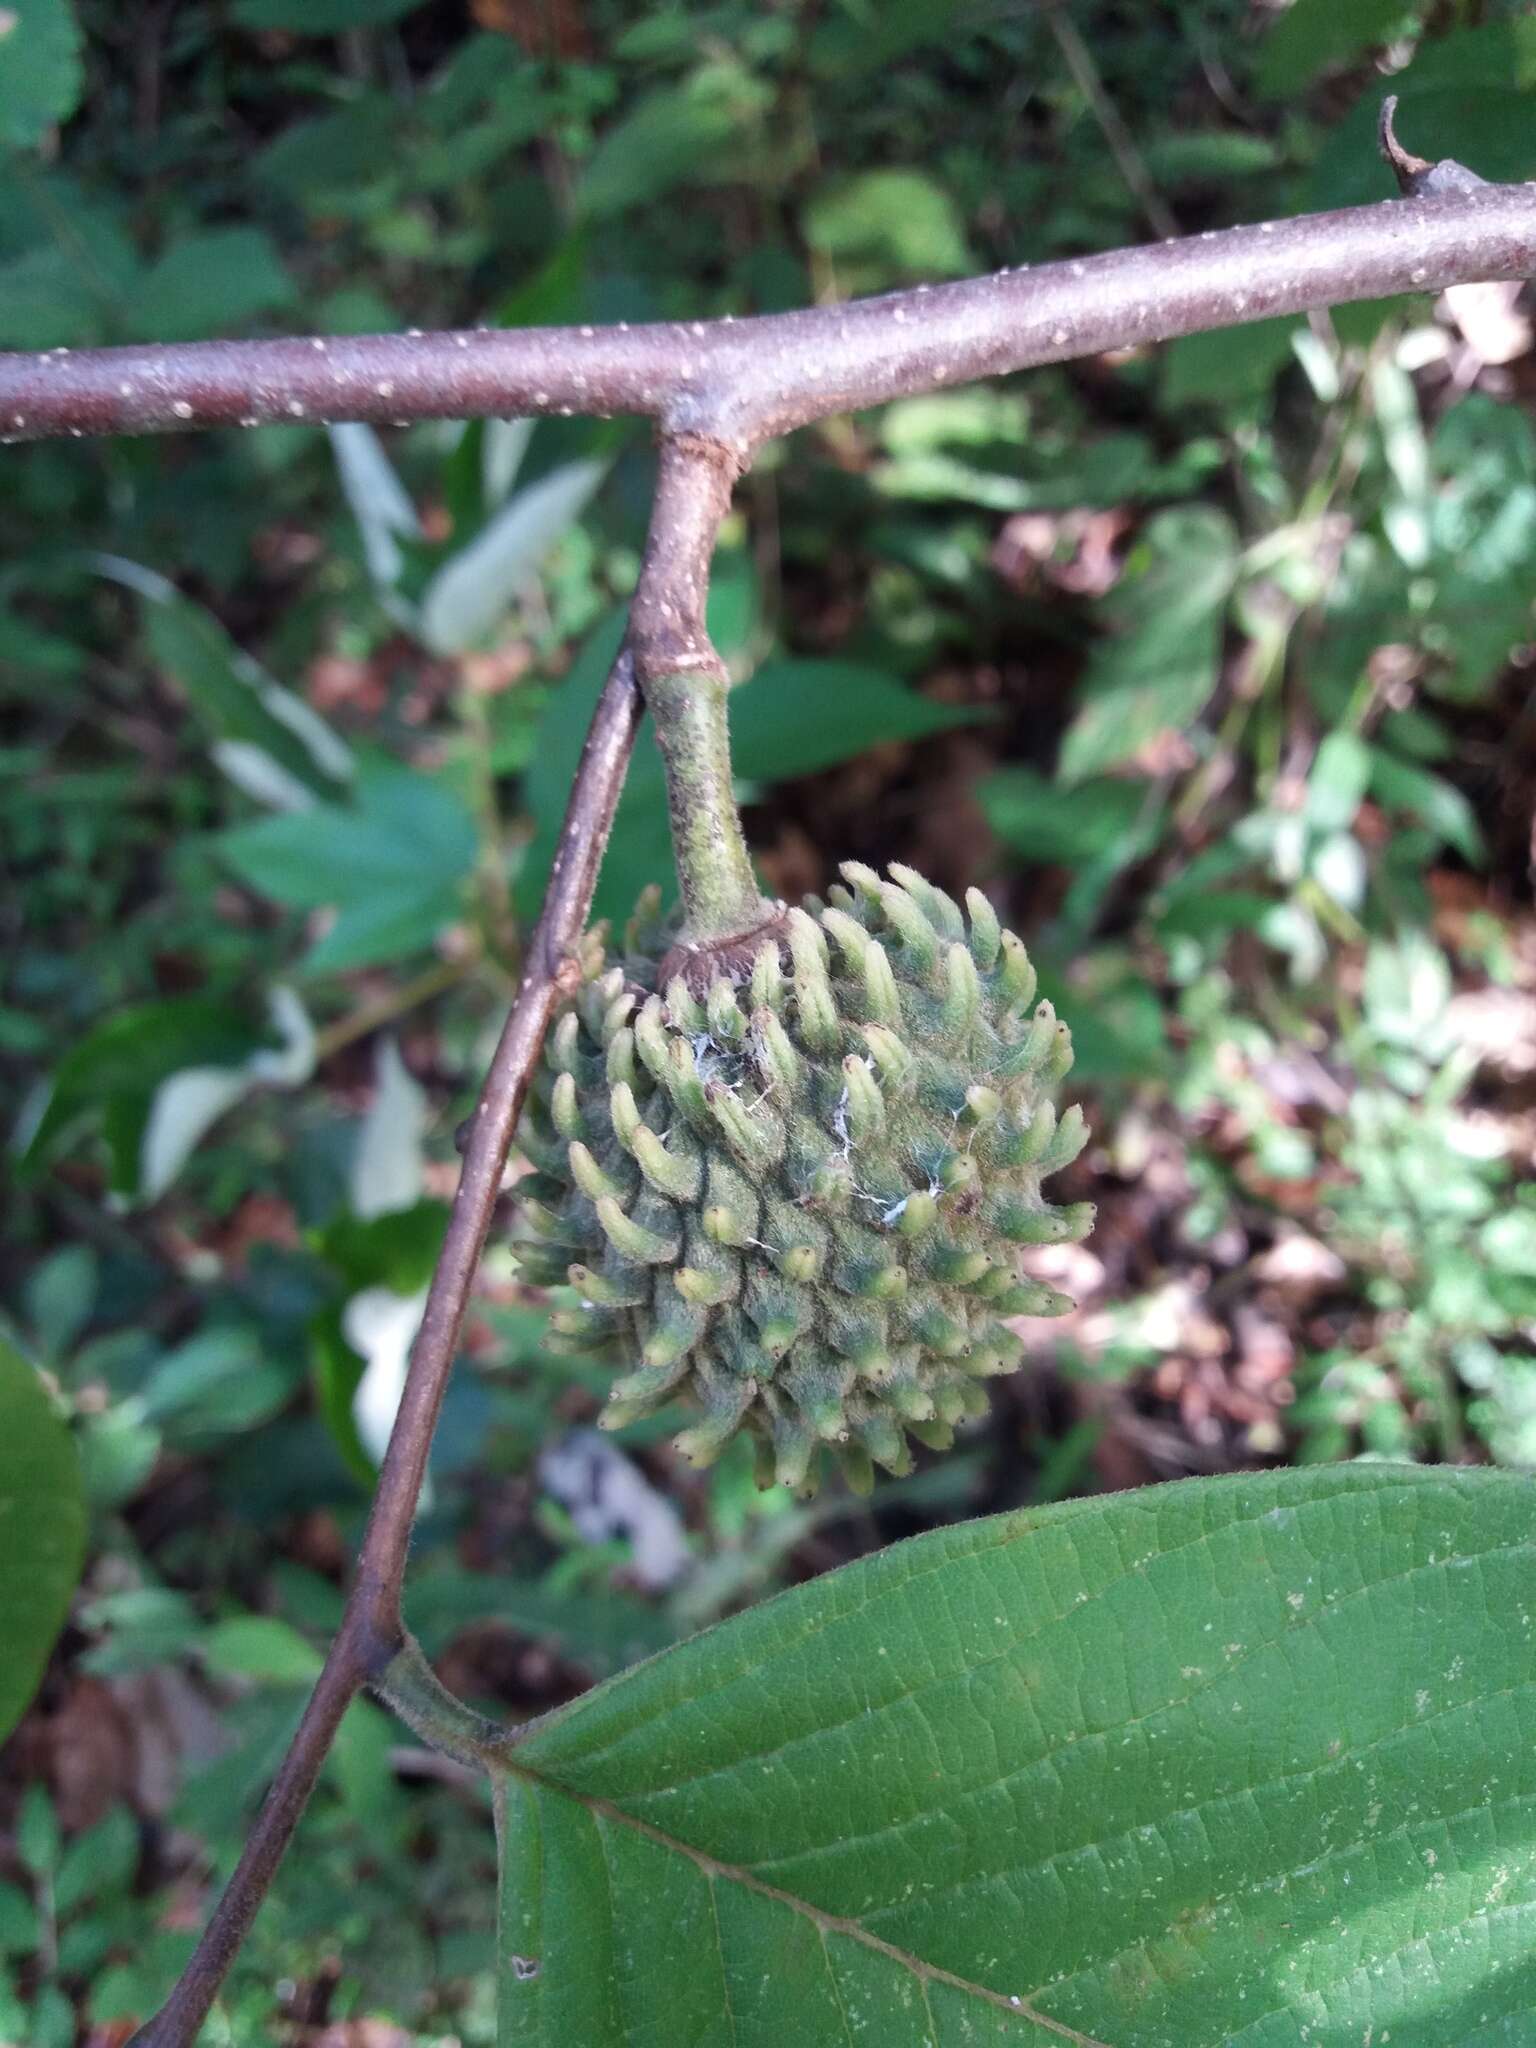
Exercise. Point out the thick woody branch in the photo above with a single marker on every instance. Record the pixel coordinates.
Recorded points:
(740, 382)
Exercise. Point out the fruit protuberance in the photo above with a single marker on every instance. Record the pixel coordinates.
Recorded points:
(798, 1193)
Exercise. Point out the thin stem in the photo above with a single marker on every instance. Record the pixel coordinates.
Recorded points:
(686, 686)
(1122, 144)
(383, 1009)
(371, 1632)
(412, 1689)
(721, 899)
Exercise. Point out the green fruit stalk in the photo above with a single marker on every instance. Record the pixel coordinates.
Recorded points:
(796, 1188)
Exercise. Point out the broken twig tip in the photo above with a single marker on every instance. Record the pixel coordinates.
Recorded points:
(1417, 177)
(1409, 170)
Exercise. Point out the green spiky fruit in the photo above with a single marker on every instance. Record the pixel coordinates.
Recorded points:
(799, 1193)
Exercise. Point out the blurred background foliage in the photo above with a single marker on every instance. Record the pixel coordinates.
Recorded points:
(1213, 663)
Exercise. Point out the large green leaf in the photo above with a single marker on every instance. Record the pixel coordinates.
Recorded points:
(1240, 1761)
(42, 1531)
(1466, 95)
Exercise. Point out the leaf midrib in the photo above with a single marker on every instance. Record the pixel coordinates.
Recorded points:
(826, 1923)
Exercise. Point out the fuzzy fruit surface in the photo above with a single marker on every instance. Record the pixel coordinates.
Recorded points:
(799, 1194)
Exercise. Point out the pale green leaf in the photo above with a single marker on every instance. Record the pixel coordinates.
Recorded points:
(473, 590)
(1339, 779)
(259, 1646)
(1238, 1763)
(900, 218)
(380, 503)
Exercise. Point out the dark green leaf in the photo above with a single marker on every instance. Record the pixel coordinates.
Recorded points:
(1399, 785)
(236, 702)
(60, 1296)
(792, 718)
(1311, 35)
(216, 1385)
(18, 1923)
(852, 39)
(797, 716)
(40, 70)
(1232, 363)
(601, 1631)
(99, 1862)
(42, 1531)
(1160, 669)
(321, 17)
(311, 161)
(140, 1627)
(397, 1250)
(1486, 125)
(210, 283)
(114, 1070)
(1045, 821)
(38, 1835)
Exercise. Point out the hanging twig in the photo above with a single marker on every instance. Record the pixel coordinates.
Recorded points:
(370, 1632)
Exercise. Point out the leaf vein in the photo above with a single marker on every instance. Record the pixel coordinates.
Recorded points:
(830, 1923)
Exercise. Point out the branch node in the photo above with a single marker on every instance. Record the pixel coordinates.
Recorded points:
(1417, 177)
